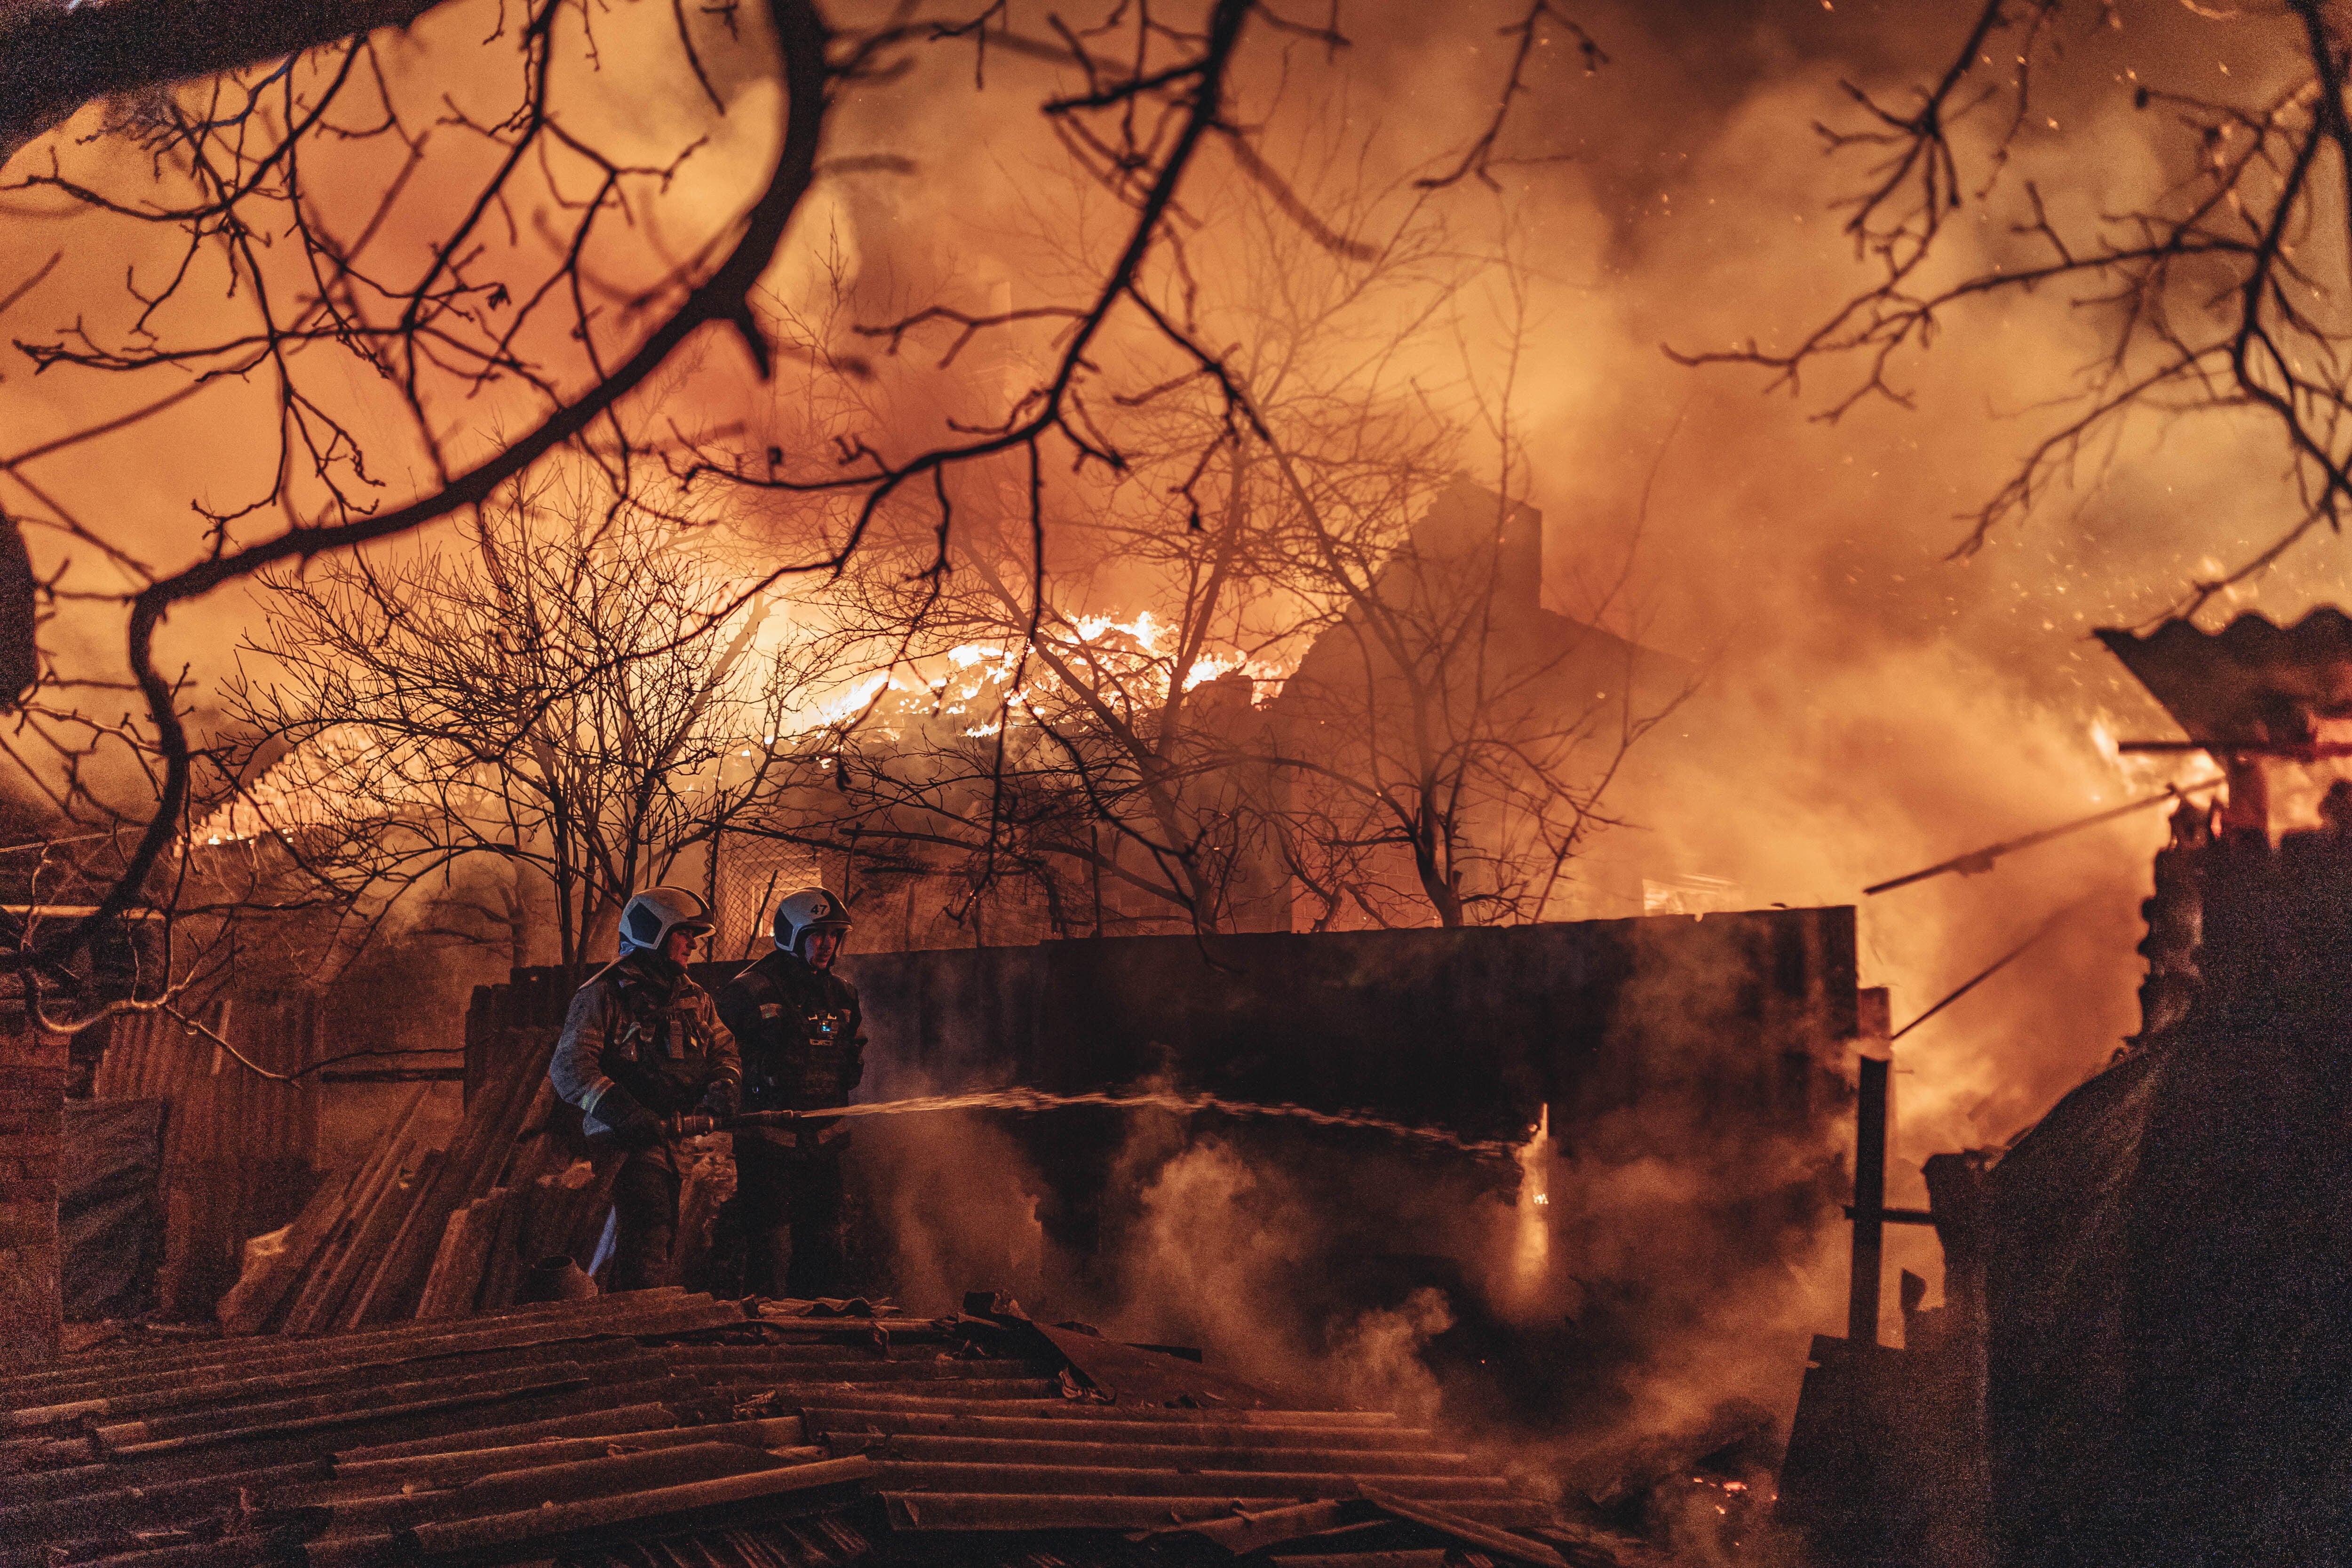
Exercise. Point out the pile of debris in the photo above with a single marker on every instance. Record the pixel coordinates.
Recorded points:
(664, 1429)
(420, 1232)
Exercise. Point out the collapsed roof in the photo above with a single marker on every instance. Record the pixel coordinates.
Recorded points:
(665, 1430)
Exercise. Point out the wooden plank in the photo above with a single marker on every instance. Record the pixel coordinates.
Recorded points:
(1501, 1542)
(364, 1186)
(254, 1300)
(1869, 1200)
(602, 1513)
(334, 1262)
(370, 1244)
(502, 1266)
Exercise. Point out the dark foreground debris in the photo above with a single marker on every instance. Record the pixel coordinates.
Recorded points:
(666, 1430)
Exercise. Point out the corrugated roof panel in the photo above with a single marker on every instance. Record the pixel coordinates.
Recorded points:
(672, 1431)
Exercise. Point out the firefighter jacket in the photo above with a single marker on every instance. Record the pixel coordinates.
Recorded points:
(656, 1034)
(803, 1049)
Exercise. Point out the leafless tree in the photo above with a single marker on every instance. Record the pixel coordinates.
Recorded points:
(574, 718)
(1095, 728)
(1075, 768)
(1452, 741)
(2227, 291)
(433, 292)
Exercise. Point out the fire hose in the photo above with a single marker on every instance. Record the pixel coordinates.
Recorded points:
(783, 1122)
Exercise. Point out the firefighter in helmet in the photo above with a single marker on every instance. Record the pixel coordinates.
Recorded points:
(803, 1050)
(642, 1044)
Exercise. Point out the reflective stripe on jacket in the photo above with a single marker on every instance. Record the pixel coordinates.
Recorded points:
(665, 1045)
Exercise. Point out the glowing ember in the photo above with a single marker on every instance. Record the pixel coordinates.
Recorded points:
(1532, 1251)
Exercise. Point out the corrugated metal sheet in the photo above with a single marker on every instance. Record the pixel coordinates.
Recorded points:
(665, 1430)
(238, 1147)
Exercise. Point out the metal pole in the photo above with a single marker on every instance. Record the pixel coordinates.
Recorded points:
(1869, 1203)
(1981, 860)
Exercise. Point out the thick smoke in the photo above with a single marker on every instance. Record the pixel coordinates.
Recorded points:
(1668, 1324)
(950, 1205)
(1874, 703)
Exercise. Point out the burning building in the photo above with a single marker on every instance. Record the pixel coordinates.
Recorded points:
(1507, 723)
(1429, 744)
(2142, 1355)
(2167, 1373)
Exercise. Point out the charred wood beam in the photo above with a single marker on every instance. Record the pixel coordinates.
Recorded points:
(668, 1312)
(833, 1415)
(445, 1466)
(283, 1419)
(959, 1511)
(561, 1519)
(856, 1410)
(1097, 1481)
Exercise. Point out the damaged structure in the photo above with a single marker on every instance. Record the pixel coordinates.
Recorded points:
(1717, 1043)
(2146, 1352)
(1719, 1040)
(389, 1392)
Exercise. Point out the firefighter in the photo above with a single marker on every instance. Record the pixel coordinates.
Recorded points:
(798, 1022)
(641, 1044)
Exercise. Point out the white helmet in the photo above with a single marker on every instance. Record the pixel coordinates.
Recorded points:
(652, 915)
(811, 909)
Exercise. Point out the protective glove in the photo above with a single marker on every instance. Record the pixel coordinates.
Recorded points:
(722, 1099)
(633, 1127)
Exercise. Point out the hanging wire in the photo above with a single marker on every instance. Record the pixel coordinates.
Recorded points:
(1995, 967)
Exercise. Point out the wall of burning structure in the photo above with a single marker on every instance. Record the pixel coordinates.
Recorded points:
(1691, 1072)
(2167, 1370)
(1445, 750)
(2142, 1359)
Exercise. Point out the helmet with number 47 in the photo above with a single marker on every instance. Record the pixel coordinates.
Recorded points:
(807, 911)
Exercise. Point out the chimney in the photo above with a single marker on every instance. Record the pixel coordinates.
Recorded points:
(2272, 706)
(1465, 520)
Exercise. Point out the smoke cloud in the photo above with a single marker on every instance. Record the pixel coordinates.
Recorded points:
(1874, 702)
(1871, 703)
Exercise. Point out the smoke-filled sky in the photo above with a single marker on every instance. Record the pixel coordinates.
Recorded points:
(1891, 706)
(1887, 706)
(1874, 703)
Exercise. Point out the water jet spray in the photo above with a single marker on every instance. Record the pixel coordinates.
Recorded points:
(1035, 1100)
